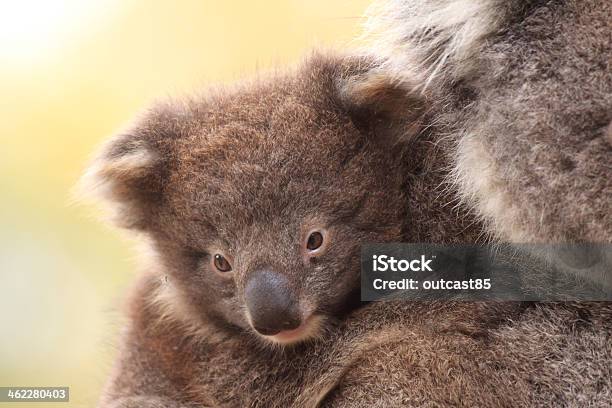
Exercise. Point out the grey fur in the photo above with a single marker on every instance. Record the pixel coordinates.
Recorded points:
(524, 90)
(534, 61)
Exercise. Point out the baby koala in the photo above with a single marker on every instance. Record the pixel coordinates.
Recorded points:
(255, 199)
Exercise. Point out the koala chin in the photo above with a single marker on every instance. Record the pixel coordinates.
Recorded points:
(255, 198)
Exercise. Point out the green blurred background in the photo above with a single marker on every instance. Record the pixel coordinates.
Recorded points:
(71, 73)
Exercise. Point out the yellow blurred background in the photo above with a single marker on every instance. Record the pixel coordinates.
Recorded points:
(71, 73)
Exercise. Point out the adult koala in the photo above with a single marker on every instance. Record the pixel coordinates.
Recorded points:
(524, 88)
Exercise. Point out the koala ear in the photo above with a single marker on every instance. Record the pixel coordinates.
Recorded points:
(381, 105)
(127, 173)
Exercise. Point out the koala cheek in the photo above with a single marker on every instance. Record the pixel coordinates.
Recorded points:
(230, 310)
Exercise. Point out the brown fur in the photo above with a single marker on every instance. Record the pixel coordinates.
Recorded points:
(179, 349)
(387, 354)
(247, 170)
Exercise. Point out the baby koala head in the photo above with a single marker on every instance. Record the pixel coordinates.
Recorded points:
(256, 199)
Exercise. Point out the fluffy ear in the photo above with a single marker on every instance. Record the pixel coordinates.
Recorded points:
(127, 174)
(383, 106)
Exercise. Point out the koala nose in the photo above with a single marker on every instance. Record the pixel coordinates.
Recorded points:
(271, 303)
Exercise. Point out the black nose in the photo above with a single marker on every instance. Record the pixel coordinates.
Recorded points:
(271, 303)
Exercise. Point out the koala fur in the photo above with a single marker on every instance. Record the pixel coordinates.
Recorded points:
(247, 167)
(249, 171)
(481, 118)
(384, 355)
(524, 88)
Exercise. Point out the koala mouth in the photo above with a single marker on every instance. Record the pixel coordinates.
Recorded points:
(310, 328)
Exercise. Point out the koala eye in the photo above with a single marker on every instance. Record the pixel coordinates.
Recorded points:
(221, 263)
(315, 240)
